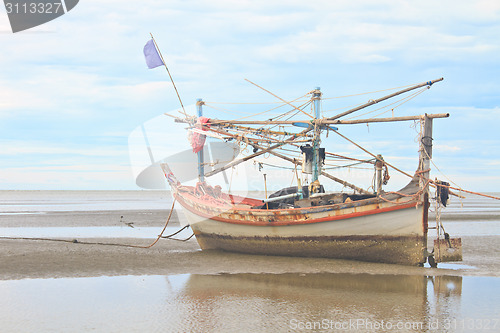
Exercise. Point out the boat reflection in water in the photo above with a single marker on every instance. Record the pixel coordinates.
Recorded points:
(284, 302)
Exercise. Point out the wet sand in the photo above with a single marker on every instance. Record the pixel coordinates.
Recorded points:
(22, 259)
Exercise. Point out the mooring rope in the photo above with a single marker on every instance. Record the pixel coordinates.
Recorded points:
(113, 244)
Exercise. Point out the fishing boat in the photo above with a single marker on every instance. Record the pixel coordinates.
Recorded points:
(308, 220)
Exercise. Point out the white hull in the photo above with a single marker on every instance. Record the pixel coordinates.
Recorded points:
(380, 232)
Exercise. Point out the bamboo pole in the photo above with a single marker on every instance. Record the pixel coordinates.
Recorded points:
(286, 158)
(230, 165)
(343, 182)
(375, 101)
(326, 121)
(384, 120)
(265, 189)
(327, 175)
(261, 131)
(281, 99)
(241, 160)
(258, 122)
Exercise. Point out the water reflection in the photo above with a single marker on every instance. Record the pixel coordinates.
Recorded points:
(284, 302)
(251, 302)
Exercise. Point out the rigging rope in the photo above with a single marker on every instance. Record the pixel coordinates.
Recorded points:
(371, 154)
(405, 100)
(370, 92)
(282, 104)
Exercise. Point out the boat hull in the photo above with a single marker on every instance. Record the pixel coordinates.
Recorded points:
(389, 233)
(406, 250)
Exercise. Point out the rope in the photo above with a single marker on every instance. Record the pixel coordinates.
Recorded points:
(466, 191)
(342, 108)
(282, 104)
(370, 92)
(404, 100)
(412, 196)
(373, 155)
(253, 103)
(281, 99)
(275, 166)
(225, 110)
(458, 188)
(365, 93)
(113, 244)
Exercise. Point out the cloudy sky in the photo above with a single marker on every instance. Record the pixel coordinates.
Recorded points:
(74, 89)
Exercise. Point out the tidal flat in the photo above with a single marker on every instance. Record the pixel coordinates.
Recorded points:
(77, 281)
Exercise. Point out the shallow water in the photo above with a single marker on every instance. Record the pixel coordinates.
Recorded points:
(42, 202)
(240, 302)
(91, 232)
(457, 229)
(251, 302)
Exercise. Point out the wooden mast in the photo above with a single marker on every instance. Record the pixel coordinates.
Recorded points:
(425, 151)
(316, 167)
(424, 172)
(201, 159)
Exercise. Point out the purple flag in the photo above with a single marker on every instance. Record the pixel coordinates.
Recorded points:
(152, 57)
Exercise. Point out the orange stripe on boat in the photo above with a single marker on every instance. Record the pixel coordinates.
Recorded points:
(295, 222)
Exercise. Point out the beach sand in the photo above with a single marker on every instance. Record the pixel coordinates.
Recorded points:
(30, 259)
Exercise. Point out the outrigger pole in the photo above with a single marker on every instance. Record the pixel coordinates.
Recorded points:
(315, 124)
(326, 121)
(375, 101)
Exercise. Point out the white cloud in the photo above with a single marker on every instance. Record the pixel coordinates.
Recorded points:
(20, 148)
(87, 67)
(446, 148)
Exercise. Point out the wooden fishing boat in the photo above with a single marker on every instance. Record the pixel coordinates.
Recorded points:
(377, 226)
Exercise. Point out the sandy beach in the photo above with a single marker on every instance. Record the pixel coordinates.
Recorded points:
(22, 258)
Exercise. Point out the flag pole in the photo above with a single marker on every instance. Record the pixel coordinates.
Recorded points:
(171, 79)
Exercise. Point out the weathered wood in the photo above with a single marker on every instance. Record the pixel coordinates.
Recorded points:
(383, 120)
(327, 120)
(263, 151)
(241, 160)
(286, 158)
(375, 101)
(257, 122)
(343, 182)
(338, 180)
(425, 156)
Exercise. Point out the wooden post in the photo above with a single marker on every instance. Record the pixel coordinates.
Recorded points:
(424, 170)
(201, 159)
(316, 171)
(425, 149)
(265, 189)
(378, 174)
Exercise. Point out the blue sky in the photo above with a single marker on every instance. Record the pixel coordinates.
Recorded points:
(72, 90)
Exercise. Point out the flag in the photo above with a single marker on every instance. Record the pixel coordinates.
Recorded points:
(151, 54)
